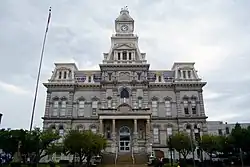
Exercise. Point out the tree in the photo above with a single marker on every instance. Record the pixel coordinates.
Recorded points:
(209, 144)
(39, 144)
(84, 144)
(181, 142)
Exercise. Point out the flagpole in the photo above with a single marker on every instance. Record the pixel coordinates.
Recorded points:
(39, 71)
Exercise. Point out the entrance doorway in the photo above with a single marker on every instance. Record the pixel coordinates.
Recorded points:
(124, 142)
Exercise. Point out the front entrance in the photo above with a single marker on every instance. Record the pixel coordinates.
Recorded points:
(124, 143)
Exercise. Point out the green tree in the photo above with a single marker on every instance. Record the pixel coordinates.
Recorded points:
(39, 144)
(209, 144)
(84, 144)
(182, 143)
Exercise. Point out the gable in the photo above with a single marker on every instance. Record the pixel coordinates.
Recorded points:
(124, 47)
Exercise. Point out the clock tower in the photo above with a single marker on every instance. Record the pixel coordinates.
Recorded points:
(124, 43)
(124, 23)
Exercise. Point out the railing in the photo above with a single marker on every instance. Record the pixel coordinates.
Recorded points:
(116, 154)
(132, 156)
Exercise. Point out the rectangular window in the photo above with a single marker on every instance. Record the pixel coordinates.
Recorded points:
(124, 55)
(179, 73)
(168, 108)
(140, 103)
(109, 103)
(119, 56)
(129, 56)
(189, 74)
(220, 132)
(139, 76)
(110, 76)
(154, 108)
(156, 135)
(169, 131)
(55, 108)
(63, 108)
(93, 130)
(89, 79)
(184, 74)
(81, 108)
(60, 75)
(185, 103)
(159, 78)
(94, 107)
(65, 75)
(193, 107)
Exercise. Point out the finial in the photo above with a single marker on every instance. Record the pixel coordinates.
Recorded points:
(125, 8)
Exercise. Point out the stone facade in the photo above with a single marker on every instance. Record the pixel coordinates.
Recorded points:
(134, 107)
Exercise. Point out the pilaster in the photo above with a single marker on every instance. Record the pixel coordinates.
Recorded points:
(145, 98)
(202, 110)
(135, 138)
(178, 103)
(114, 98)
(134, 101)
(70, 104)
(47, 105)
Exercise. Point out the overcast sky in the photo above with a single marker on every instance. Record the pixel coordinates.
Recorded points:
(213, 33)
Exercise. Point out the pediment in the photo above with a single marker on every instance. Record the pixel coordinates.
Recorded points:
(124, 46)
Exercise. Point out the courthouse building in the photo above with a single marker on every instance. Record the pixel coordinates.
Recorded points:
(135, 107)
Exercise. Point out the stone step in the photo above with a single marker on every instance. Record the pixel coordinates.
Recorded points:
(108, 159)
(141, 158)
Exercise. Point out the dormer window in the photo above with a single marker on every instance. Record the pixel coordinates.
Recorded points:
(129, 55)
(65, 75)
(159, 78)
(89, 79)
(184, 74)
(60, 75)
(124, 55)
(189, 74)
(119, 56)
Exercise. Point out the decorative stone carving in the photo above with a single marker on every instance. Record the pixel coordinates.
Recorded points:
(124, 76)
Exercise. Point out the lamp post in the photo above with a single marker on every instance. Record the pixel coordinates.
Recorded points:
(1, 115)
(190, 131)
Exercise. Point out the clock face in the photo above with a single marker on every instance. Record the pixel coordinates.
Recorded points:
(124, 27)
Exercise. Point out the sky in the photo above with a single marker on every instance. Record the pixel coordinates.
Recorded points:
(215, 34)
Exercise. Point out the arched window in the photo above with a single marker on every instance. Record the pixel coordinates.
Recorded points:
(65, 75)
(124, 55)
(124, 93)
(60, 75)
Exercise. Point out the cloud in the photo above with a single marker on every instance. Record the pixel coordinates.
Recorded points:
(214, 34)
(13, 89)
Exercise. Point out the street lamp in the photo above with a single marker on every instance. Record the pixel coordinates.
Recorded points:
(190, 131)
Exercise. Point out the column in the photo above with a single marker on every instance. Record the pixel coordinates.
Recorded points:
(148, 137)
(135, 140)
(113, 145)
(202, 109)
(101, 127)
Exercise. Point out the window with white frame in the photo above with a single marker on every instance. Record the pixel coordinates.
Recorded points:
(185, 105)
(81, 106)
(189, 74)
(109, 103)
(139, 102)
(168, 108)
(169, 131)
(63, 108)
(93, 129)
(154, 107)
(94, 107)
(193, 106)
(156, 135)
(55, 108)
(61, 133)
